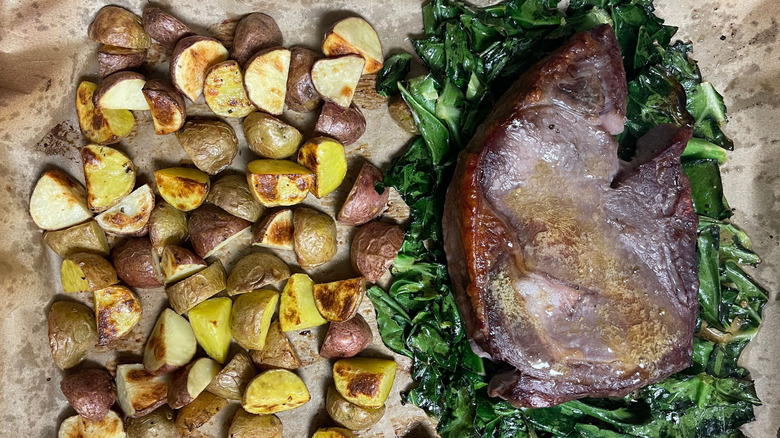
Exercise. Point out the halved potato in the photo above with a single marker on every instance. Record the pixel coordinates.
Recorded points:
(166, 105)
(355, 35)
(347, 338)
(231, 382)
(58, 201)
(297, 310)
(101, 126)
(171, 345)
(315, 237)
(350, 415)
(139, 392)
(90, 391)
(339, 300)
(199, 412)
(251, 317)
(254, 271)
(192, 58)
(327, 159)
(246, 425)
(85, 272)
(121, 90)
(135, 263)
(374, 247)
(111, 426)
(270, 137)
(224, 91)
(109, 174)
(336, 78)
(178, 263)
(211, 144)
(112, 59)
(117, 311)
(131, 215)
(364, 381)
(231, 193)
(278, 182)
(210, 227)
(253, 33)
(333, 432)
(301, 95)
(363, 202)
(278, 352)
(275, 230)
(167, 226)
(118, 27)
(197, 288)
(157, 424)
(190, 381)
(275, 391)
(265, 79)
(86, 237)
(210, 320)
(164, 27)
(183, 187)
(72, 332)
(345, 125)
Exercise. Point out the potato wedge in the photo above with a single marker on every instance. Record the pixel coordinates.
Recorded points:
(171, 345)
(109, 176)
(117, 311)
(366, 96)
(374, 248)
(336, 78)
(346, 125)
(210, 320)
(301, 95)
(231, 193)
(166, 105)
(139, 391)
(297, 310)
(157, 424)
(86, 237)
(197, 288)
(192, 58)
(246, 425)
(167, 226)
(278, 182)
(275, 230)
(130, 216)
(178, 263)
(363, 202)
(231, 382)
(121, 90)
(251, 317)
(333, 432)
(199, 412)
(101, 126)
(347, 338)
(350, 415)
(224, 91)
(190, 381)
(58, 201)
(112, 59)
(72, 332)
(135, 264)
(111, 426)
(364, 381)
(265, 79)
(91, 392)
(85, 272)
(314, 237)
(211, 144)
(278, 352)
(119, 27)
(270, 137)
(275, 391)
(355, 35)
(210, 227)
(327, 159)
(182, 187)
(339, 300)
(164, 27)
(254, 271)
(254, 33)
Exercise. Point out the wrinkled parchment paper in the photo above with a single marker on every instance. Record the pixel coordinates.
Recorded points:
(44, 53)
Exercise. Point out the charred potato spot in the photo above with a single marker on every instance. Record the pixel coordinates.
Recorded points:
(167, 106)
(117, 310)
(183, 188)
(364, 384)
(364, 381)
(339, 300)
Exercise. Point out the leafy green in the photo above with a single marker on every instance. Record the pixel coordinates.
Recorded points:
(395, 69)
(707, 188)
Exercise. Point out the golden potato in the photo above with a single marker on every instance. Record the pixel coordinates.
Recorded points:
(72, 332)
(116, 26)
(314, 237)
(121, 90)
(199, 412)
(211, 144)
(158, 424)
(171, 345)
(197, 288)
(130, 216)
(254, 271)
(279, 182)
(269, 137)
(210, 320)
(347, 338)
(210, 228)
(135, 263)
(251, 317)
(139, 391)
(112, 59)
(346, 125)
(231, 382)
(101, 126)
(190, 381)
(178, 263)
(333, 432)
(336, 79)
(182, 187)
(246, 425)
(167, 226)
(297, 310)
(58, 201)
(192, 58)
(231, 193)
(265, 79)
(109, 174)
(364, 381)
(110, 426)
(275, 230)
(166, 105)
(85, 272)
(363, 202)
(350, 415)
(254, 33)
(275, 391)
(164, 27)
(339, 300)
(91, 392)
(374, 247)
(117, 311)
(278, 352)
(301, 95)
(355, 35)
(86, 237)
(327, 159)
(224, 91)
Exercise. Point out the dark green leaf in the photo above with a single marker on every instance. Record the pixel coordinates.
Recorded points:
(395, 69)
(707, 188)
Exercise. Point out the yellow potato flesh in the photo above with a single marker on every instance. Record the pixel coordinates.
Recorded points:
(101, 126)
(109, 175)
(364, 381)
(251, 318)
(85, 272)
(117, 310)
(326, 158)
(183, 188)
(73, 278)
(333, 432)
(265, 80)
(297, 310)
(278, 182)
(275, 391)
(224, 91)
(210, 321)
(58, 201)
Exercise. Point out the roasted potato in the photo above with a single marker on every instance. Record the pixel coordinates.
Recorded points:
(116, 26)
(254, 33)
(231, 193)
(86, 237)
(171, 345)
(109, 176)
(374, 248)
(197, 288)
(333, 432)
(265, 79)
(275, 230)
(58, 201)
(211, 144)
(134, 263)
(157, 424)
(182, 187)
(269, 137)
(72, 332)
(402, 115)
(275, 391)
(121, 90)
(178, 263)
(110, 426)
(251, 317)
(112, 59)
(350, 415)
(346, 125)
(85, 272)
(140, 392)
(301, 95)
(130, 216)
(117, 311)
(336, 78)
(164, 27)
(326, 158)
(190, 381)
(355, 35)
(246, 425)
(297, 310)
(278, 352)
(192, 58)
(101, 126)
(199, 412)
(363, 202)
(254, 271)
(210, 320)
(167, 226)
(366, 96)
(224, 91)
(314, 237)
(347, 338)
(338, 301)
(231, 382)
(91, 392)
(211, 226)
(166, 105)
(364, 381)
(278, 182)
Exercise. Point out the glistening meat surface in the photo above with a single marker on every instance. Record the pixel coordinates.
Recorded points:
(578, 274)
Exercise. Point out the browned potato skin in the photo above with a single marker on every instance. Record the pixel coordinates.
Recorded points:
(212, 144)
(374, 248)
(402, 115)
(210, 225)
(118, 27)
(167, 226)
(246, 425)
(98, 271)
(134, 264)
(255, 271)
(363, 202)
(278, 351)
(366, 96)
(314, 237)
(270, 137)
(231, 193)
(157, 424)
(72, 332)
(164, 27)
(234, 377)
(346, 125)
(200, 411)
(274, 230)
(350, 415)
(165, 100)
(346, 339)
(109, 82)
(301, 95)
(254, 33)
(85, 237)
(112, 59)
(91, 392)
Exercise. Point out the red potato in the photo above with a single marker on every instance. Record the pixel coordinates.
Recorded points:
(346, 125)
(192, 58)
(355, 35)
(135, 265)
(301, 95)
(121, 90)
(91, 392)
(346, 339)
(254, 33)
(118, 27)
(164, 27)
(211, 226)
(364, 203)
(374, 248)
(112, 59)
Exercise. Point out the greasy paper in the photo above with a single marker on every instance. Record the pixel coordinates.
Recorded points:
(44, 53)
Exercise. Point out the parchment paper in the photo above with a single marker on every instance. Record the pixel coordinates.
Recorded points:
(44, 53)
